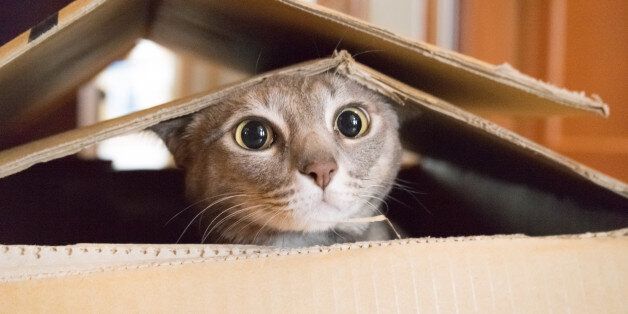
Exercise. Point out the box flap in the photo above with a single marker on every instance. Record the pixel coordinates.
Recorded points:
(585, 273)
(37, 69)
(412, 101)
(275, 39)
(256, 36)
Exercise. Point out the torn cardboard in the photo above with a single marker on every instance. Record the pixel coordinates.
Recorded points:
(89, 34)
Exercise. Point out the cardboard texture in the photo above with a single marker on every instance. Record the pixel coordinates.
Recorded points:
(255, 36)
(14, 160)
(433, 90)
(516, 274)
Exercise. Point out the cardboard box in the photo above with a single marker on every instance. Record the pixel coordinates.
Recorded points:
(434, 90)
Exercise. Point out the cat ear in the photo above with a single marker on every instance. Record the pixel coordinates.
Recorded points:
(172, 132)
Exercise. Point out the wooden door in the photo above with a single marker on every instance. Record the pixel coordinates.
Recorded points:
(578, 44)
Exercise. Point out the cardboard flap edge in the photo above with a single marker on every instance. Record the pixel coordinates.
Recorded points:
(25, 262)
(22, 157)
(57, 146)
(504, 73)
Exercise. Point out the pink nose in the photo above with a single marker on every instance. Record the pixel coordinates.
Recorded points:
(321, 172)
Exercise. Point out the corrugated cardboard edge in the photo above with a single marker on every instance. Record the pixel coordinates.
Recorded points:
(20, 158)
(70, 142)
(504, 74)
(28, 262)
(583, 274)
(47, 63)
(67, 16)
(402, 92)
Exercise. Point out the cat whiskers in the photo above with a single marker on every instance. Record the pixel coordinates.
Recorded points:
(194, 204)
(370, 196)
(205, 209)
(407, 188)
(243, 218)
(277, 212)
(387, 220)
(412, 194)
(338, 234)
(365, 52)
(390, 196)
(339, 42)
(208, 231)
(216, 217)
(284, 208)
(403, 187)
(186, 208)
(250, 216)
(395, 183)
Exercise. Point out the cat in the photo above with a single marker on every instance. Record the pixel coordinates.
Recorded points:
(289, 162)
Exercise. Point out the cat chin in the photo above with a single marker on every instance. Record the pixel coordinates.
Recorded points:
(320, 217)
(324, 216)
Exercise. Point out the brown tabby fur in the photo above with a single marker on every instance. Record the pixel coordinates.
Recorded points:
(262, 197)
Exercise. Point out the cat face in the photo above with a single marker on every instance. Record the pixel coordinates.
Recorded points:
(292, 154)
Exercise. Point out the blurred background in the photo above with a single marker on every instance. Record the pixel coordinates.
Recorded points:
(578, 44)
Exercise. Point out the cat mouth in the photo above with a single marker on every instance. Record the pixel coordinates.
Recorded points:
(329, 205)
(330, 202)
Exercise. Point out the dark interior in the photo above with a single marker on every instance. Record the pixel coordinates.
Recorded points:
(71, 200)
(473, 184)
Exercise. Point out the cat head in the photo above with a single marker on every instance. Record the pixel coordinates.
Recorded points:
(291, 154)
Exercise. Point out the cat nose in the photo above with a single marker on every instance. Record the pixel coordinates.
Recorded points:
(321, 172)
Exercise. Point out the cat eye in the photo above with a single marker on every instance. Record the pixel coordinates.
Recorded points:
(254, 134)
(352, 122)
